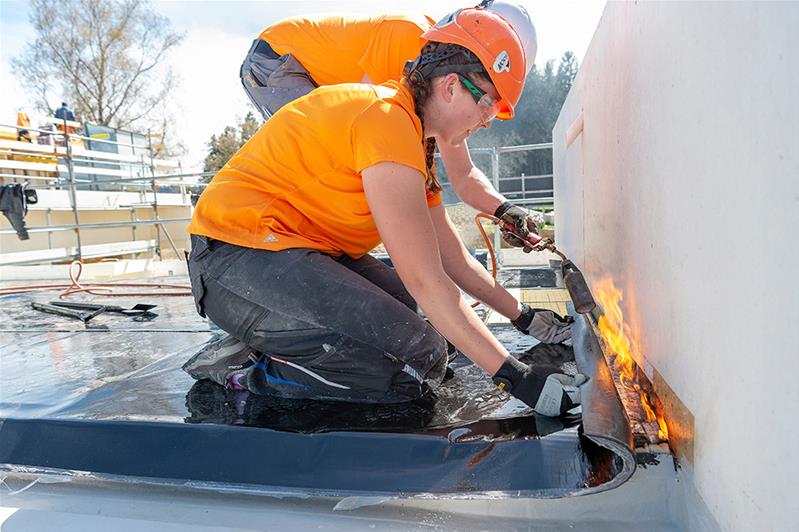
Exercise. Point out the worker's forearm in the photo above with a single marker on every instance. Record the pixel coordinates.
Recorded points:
(477, 191)
(452, 316)
(477, 282)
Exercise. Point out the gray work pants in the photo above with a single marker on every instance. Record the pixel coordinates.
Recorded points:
(326, 327)
(270, 80)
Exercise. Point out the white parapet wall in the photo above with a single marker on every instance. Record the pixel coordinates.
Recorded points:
(683, 188)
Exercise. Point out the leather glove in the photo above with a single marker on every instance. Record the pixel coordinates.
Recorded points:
(543, 388)
(544, 325)
(523, 221)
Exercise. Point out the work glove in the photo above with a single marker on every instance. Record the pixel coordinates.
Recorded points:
(546, 326)
(522, 220)
(543, 388)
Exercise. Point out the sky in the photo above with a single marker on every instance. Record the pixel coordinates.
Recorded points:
(217, 35)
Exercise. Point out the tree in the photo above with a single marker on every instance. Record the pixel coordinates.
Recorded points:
(567, 71)
(223, 146)
(536, 114)
(104, 56)
(248, 127)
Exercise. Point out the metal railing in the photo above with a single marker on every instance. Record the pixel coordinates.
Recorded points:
(145, 180)
(530, 190)
(519, 189)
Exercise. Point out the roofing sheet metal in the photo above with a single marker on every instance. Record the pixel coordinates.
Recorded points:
(108, 399)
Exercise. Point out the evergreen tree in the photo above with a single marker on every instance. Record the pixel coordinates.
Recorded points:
(248, 127)
(538, 109)
(223, 146)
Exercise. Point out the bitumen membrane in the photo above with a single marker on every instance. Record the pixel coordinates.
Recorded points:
(108, 399)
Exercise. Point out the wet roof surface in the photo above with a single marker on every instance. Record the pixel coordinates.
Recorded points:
(115, 386)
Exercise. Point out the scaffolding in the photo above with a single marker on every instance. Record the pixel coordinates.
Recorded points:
(67, 165)
(87, 168)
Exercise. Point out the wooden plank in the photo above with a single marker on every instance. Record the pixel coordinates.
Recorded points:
(27, 177)
(60, 122)
(62, 168)
(17, 145)
(679, 420)
(111, 249)
(78, 151)
(23, 165)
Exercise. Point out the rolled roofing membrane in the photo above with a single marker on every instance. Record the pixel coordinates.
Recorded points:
(110, 402)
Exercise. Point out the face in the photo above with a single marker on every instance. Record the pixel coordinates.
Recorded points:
(471, 105)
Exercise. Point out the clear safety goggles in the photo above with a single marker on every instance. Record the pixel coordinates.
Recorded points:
(488, 105)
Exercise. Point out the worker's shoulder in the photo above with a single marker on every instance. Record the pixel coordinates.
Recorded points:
(393, 94)
(391, 106)
(422, 22)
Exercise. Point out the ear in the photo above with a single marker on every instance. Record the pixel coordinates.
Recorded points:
(449, 84)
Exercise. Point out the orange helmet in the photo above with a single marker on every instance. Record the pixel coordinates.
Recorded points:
(495, 43)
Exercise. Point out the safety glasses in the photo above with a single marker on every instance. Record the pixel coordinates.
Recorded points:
(489, 106)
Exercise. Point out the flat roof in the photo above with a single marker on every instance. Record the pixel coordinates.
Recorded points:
(108, 398)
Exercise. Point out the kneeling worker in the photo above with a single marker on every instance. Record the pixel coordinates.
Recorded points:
(281, 236)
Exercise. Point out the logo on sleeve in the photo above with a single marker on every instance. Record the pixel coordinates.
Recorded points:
(502, 62)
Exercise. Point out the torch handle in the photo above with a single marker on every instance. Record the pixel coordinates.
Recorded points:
(531, 237)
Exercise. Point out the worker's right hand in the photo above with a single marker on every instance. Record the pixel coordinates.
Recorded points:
(520, 221)
(543, 388)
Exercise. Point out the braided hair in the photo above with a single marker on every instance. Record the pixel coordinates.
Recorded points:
(421, 87)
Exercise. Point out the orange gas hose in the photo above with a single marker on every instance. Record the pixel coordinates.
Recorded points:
(98, 289)
(107, 289)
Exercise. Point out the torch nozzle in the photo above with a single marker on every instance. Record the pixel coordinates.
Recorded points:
(572, 277)
(577, 287)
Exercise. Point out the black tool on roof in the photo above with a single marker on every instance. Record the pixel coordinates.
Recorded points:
(82, 315)
(139, 312)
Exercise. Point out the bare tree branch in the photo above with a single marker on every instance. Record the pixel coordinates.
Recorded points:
(104, 56)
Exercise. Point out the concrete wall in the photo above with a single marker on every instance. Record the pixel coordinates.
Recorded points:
(684, 189)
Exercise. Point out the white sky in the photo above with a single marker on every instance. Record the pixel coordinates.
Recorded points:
(218, 34)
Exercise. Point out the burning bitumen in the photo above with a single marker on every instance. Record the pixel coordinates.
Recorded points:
(641, 405)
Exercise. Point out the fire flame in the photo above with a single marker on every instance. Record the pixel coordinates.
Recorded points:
(617, 336)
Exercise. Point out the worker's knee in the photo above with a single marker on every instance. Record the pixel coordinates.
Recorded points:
(426, 364)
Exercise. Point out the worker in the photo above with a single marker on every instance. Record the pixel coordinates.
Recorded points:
(294, 56)
(280, 238)
(23, 123)
(64, 112)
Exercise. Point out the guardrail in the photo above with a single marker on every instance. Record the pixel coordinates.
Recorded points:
(518, 189)
(63, 160)
(534, 189)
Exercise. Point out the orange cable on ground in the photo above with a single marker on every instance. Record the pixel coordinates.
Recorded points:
(98, 289)
(106, 289)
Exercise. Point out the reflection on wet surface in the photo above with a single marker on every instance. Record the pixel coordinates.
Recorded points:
(467, 399)
(130, 371)
(67, 387)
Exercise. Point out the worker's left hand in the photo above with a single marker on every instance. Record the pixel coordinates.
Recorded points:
(523, 222)
(543, 388)
(547, 326)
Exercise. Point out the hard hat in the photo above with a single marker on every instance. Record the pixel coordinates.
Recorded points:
(495, 43)
(520, 20)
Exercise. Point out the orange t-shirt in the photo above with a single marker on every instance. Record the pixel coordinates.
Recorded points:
(23, 120)
(338, 49)
(297, 182)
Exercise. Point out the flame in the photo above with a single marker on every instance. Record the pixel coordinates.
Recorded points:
(616, 335)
